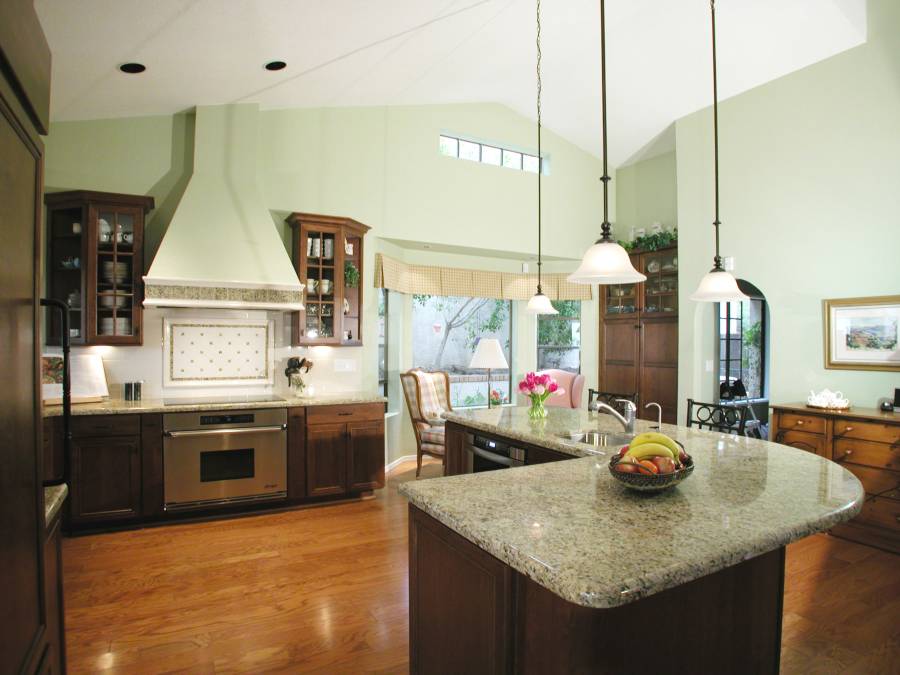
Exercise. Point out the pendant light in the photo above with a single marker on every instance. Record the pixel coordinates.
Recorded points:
(718, 285)
(539, 303)
(606, 262)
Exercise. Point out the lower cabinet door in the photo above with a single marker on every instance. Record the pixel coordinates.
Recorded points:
(365, 456)
(813, 443)
(106, 478)
(326, 459)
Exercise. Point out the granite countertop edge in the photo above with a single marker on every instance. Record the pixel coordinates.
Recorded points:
(114, 406)
(632, 589)
(54, 497)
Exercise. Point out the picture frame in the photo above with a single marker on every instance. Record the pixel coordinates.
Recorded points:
(862, 333)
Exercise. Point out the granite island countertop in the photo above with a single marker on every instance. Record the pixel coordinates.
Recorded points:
(571, 527)
(54, 496)
(117, 406)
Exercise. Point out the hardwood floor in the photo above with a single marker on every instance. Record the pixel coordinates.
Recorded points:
(325, 590)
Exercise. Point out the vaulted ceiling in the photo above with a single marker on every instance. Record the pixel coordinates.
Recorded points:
(395, 52)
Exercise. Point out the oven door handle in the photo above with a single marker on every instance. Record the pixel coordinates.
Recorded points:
(216, 432)
(492, 457)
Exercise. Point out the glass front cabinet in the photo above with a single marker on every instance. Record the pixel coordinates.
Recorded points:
(657, 296)
(328, 257)
(95, 264)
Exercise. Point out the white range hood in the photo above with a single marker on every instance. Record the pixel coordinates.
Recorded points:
(222, 248)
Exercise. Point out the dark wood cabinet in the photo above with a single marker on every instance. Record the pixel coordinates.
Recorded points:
(365, 455)
(24, 115)
(326, 459)
(296, 454)
(95, 265)
(639, 335)
(105, 478)
(344, 449)
(328, 257)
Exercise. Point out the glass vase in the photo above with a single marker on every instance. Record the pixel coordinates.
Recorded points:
(537, 411)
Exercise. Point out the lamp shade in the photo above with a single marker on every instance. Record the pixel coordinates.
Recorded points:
(606, 262)
(718, 286)
(489, 354)
(540, 304)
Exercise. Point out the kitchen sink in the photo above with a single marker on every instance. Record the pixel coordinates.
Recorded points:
(599, 439)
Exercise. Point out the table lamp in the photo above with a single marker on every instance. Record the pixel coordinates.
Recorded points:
(489, 355)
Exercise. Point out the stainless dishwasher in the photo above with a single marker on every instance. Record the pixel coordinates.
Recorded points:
(212, 458)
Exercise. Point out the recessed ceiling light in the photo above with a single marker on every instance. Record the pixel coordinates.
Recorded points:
(276, 65)
(132, 68)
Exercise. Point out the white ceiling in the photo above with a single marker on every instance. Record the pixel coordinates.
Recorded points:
(364, 52)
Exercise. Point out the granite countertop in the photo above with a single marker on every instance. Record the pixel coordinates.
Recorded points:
(54, 497)
(117, 406)
(571, 527)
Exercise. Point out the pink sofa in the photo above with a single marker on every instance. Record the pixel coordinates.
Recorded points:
(573, 383)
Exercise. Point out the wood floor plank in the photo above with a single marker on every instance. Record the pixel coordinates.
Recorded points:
(324, 590)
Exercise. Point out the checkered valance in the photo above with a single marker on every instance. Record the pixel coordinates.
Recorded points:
(431, 280)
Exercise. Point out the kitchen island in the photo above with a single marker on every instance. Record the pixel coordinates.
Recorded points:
(557, 567)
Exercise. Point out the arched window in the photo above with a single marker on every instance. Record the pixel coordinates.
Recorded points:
(742, 346)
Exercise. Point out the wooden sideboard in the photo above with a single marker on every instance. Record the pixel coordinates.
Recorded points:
(866, 442)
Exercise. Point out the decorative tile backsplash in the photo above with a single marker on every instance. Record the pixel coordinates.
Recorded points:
(218, 352)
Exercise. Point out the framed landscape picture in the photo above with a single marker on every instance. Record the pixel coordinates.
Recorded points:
(862, 333)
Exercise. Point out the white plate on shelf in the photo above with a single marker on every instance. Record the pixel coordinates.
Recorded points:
(122, 326)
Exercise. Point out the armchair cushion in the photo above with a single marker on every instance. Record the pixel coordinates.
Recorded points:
(431, 403)
(434, 435)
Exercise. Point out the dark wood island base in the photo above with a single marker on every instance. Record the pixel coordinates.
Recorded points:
(472, 613)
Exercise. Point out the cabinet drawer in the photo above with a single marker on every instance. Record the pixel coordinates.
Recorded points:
(876, 481)
(880, 512)
(811, 424)
(106, 425)
(878, 455)
(336, 414)
(867, 431)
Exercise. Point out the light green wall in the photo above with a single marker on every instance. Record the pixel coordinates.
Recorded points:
(646, 193)
(810, 208)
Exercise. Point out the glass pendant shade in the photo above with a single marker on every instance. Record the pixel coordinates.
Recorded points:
(606, 262)
(540, 304)
(718, 286)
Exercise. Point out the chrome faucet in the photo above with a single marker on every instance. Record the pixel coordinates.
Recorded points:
(658, 413)
(627, 420)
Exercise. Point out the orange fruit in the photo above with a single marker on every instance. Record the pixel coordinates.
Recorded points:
(650, 467)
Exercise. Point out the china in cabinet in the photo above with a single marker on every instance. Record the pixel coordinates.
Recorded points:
(328, 257)
(95, 264)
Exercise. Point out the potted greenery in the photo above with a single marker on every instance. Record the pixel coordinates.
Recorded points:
(351, 275)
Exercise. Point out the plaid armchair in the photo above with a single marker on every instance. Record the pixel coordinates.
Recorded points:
(427, 398)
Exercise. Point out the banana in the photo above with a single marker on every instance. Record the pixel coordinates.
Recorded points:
(645, 450)
(656, 437)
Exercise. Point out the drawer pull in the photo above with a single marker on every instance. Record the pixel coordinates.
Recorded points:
(846, 454)
(799, 423)
(344, 414)
(848, 429)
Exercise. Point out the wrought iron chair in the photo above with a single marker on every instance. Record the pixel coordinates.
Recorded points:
(730, 419)
(427, 395)
(610, 399)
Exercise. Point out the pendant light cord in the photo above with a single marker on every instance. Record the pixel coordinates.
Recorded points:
(540, 156)
(605, 179)
(718, 259)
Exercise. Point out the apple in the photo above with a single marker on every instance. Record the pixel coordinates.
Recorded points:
(682, 456)
(626, 467)
(664, 464)
(623, 451)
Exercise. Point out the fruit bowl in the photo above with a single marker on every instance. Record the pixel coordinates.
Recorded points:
(651, 482)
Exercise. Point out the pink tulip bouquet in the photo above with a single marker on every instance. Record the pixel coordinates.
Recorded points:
(539, 388)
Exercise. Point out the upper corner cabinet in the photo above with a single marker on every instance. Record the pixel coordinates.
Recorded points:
(328, 257)
(95, 261)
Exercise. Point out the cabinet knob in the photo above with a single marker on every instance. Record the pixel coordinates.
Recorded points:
(846, 454)
(799, 423)
(846, 429)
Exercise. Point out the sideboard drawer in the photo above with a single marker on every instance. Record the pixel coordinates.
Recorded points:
(811, 424)
(814, 443)
(878, 455)
(86, 426)
(867, 431)
(876, 481)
